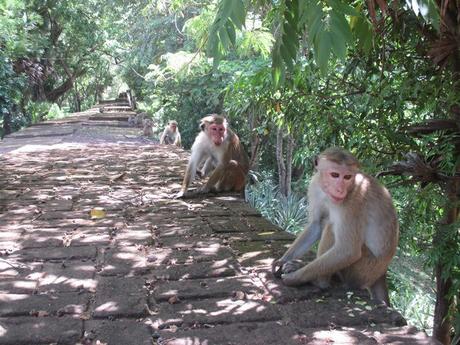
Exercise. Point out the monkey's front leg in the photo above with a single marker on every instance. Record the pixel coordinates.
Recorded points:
(288, 263)
(336, 258)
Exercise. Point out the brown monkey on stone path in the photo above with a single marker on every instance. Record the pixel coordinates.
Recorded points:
(353, 216)
(171, 134)
(148, 128)
(219, 148)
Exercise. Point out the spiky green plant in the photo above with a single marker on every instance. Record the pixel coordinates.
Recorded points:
(289, 213)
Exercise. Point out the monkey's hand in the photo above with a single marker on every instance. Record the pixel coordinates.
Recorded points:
(280, 268)
(292, 279)
(179, 195)
(292, 266)
(277, 268)
(294, 273)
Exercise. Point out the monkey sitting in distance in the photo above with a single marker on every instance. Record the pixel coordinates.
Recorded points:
(148, 128)
(220, 149)
(171, 134)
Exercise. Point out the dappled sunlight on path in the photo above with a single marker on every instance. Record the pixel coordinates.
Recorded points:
(146, 268)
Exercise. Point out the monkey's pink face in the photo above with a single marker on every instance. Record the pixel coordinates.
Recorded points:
(336, 181)
(173, 127)
(216, 133)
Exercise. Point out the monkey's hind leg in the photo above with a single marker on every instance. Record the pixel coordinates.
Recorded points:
(234, 179)
(368, 272)
(379, 290)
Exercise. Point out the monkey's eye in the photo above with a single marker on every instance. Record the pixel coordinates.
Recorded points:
(348, 177)
(335, 175)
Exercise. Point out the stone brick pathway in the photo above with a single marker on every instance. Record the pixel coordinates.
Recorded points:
(149, 269)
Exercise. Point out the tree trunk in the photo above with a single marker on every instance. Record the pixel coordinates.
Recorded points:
(255, 138)
(284, 163)
(7, 123)
(442, 323)
(77, 99)
(280, 162)
(77, 102)
(289, 151)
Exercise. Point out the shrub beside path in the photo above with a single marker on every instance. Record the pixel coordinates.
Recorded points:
(93, 250)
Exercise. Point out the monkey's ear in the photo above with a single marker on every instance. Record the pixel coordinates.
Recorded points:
(202, 125)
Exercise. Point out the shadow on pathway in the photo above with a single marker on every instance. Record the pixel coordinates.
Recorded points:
(150, 269)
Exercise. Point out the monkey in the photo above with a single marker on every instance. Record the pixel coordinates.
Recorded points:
(353, 217)
(221, 151)
(140, 119)
(208, 166)
(171, 134)
(148, 127)
(132, 120)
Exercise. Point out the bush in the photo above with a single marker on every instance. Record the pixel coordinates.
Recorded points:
(54, 113)
(289, 213)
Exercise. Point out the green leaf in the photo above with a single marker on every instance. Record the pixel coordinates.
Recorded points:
(314, 28)
(290, 31)
(213, 46)
(342, 7)
(430, 12)
(339, 46)
(340, 26)
(238, 13)
(225, 8)
(286, 56)
(323, 49)
(231, 32)
(224, 38)
(340, 34)
(277, 67)
(291, 14)
(363, 32)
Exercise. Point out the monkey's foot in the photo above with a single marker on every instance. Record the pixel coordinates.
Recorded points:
(322, 283)
(179, 195)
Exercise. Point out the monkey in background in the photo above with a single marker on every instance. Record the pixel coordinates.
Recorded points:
(140, 119)
(137, 120)
(132, 120)
(219, 148)
(353, 217)
(171, 134)
(148, 128)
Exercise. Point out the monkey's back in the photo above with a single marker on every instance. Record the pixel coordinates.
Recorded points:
(375, 204)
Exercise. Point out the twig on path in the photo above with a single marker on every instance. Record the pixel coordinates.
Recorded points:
(18, 267)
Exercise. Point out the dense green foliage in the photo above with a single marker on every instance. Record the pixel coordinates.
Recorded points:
(349, 73)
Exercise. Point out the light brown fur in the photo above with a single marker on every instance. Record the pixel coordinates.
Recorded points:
(148, 128)
(230, 161)
(358, 236)
(171, 134)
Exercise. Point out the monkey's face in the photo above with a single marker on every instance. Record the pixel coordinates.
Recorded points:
(173, 127)
(336, 181)
(216, 133)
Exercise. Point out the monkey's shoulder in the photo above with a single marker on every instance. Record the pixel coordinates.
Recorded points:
(368, 185)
